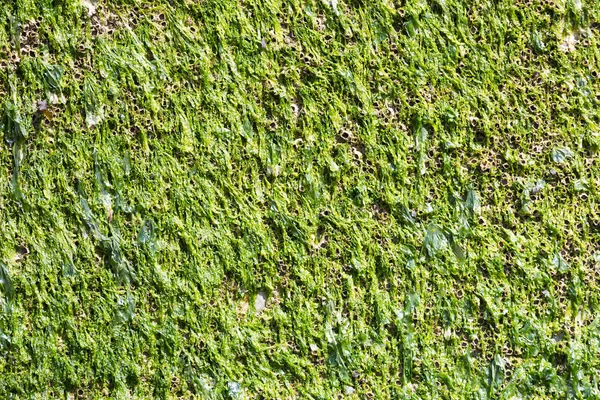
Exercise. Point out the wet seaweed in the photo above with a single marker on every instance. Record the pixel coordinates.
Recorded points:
(305, 199)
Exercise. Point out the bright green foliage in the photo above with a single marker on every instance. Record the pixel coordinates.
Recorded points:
(300, 199)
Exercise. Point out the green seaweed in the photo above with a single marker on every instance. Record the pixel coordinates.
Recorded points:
(302, 199)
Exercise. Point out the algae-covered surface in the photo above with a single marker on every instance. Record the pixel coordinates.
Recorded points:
(300, 199)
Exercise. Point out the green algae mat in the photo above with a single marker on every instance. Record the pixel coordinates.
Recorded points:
(300, 199)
